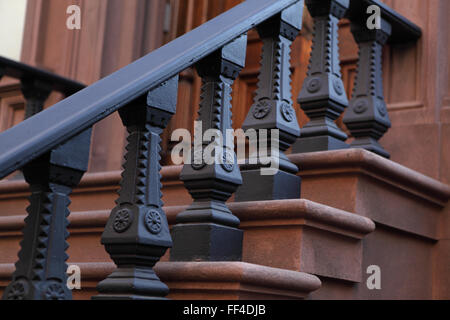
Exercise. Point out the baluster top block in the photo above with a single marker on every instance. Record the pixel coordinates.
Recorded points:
(294, 15)
(74, 153)
(164, 96)
(226, 61)
(403, 30)
(288, 23)
(319, 8)
(156, 108)
(235, 50)
(362, 34)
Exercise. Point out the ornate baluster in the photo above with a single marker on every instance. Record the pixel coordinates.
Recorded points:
(367, 118)
(36, 93)
(137, 233)
(208, 230)
(273, 109)
(323, 96)
(41, 270)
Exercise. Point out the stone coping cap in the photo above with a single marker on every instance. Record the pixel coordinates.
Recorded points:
(364, 159)
(205, 271)
(372, 163)
(245, 211)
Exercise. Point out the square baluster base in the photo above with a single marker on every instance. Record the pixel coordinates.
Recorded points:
(370, 144)
(282, 185)
(319, 143)
(206, 242)
(132, 283)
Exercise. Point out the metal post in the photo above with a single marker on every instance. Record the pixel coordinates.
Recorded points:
(323, 96)
(367, 117)
(41, 270)
(137, 234)
(208, 230)
(272, 110)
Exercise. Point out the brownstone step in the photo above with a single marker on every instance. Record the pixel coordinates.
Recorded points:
(205, 280)
(410, 210)
(297, 235)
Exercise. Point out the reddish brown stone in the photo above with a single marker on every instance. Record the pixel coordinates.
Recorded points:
(409, 243)
(293, 234)
(207, 280)
(410, 210)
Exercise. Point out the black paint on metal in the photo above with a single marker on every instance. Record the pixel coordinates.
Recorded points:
(19, 70)
(323, 96)
(208, 230)
(137, 234)
(367, 117)
(273, 109)
(41, 269)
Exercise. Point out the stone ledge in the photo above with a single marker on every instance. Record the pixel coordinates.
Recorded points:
(208, 280)
(390, 194)
(287, 212)
(339, 161)
(250, 214)
(295, 235)
(304, 236)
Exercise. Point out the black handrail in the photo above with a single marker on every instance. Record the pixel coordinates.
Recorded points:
(51, 178)
(403, 30)
(51, 127)
(19, 70)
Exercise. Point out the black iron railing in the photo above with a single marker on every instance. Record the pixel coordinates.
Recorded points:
(52, 146)
(41, 270)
